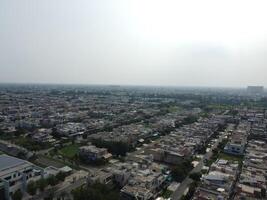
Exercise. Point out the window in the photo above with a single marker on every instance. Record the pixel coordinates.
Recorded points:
(8, 178)
(28, 171)
(12, 183)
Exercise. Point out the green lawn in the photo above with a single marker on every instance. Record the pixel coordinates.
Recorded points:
(230, 157)
(69, 151)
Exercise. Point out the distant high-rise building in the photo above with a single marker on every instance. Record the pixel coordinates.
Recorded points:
(255, 89)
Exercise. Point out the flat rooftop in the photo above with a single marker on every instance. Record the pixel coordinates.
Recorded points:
(7, 162)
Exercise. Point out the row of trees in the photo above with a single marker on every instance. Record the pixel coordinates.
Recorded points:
(189, 119)
(116, 148)
(30, 144)
(41, 184)
(180, 171)
(96, 191)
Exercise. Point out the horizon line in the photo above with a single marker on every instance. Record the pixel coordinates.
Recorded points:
(127, 85)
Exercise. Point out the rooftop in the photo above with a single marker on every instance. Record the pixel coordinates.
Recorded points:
(7, 162)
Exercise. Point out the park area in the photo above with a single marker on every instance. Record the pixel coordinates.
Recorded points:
(69, 151)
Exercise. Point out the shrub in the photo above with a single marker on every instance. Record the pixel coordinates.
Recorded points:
(31, 188)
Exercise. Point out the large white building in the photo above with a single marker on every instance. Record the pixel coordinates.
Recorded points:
(15, 174)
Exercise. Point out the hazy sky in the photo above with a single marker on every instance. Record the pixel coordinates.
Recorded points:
(147, 42)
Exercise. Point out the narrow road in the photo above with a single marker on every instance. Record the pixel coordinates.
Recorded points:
(44, 151)
(58, 190)
(72, 186)
(187, 181)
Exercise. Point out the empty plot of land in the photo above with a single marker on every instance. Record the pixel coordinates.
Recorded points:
(44, 161)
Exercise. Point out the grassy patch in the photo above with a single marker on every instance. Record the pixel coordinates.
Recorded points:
(166, 194)
(173, 109)
(225, 156)
(45, 161)
(197, 159)
(69, 151)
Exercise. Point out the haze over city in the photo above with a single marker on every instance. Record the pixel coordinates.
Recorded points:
(148, 42)
(133, 100)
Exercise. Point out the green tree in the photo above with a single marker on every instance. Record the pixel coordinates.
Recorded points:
(31, 188)
(116, 148)
(190, 119)
(222, 144)
(51, 180)
(17, 195)
(195, 176)
(60, 176)
(63, 195)
(41, 184)
(180, 171)
(19, 131)
(178, 174)
(96, 191)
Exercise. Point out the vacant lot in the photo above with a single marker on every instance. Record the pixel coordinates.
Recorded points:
(45, 161)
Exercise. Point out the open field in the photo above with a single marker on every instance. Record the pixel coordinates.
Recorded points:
(69, 151)
(230, 157)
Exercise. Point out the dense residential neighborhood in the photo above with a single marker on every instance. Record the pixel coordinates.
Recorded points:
(131, 143)
(133, 100)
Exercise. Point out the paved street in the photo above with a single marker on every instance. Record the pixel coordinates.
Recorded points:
(58, 190)
(185, 184)
(44, 152)
(70, 187)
